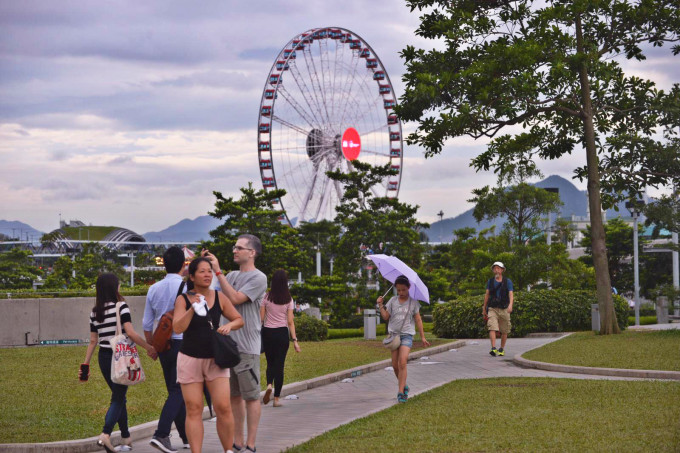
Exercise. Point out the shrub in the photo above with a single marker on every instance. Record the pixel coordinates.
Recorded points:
(353, 321)
(308, 328)
(533, 311)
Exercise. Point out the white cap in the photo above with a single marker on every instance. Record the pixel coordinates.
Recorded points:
(499, 264)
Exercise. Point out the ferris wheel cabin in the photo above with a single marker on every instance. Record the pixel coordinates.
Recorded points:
(392, 119)
(282, 65)
(379, 75)
(268, 182)
(389, 104)
(289, 54)
(371, 63)
(265, 164)
(395, 152)
(270, 94)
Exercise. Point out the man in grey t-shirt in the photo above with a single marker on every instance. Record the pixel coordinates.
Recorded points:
(245, 289)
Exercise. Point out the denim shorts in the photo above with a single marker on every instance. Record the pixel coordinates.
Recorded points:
(406, 339)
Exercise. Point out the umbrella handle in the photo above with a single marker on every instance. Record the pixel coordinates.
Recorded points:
(388, 290)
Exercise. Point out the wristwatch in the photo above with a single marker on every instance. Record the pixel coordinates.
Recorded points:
(293, 339)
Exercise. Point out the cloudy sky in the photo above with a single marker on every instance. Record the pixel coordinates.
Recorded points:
(131, 113)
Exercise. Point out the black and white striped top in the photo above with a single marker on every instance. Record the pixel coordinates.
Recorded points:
(107, 329)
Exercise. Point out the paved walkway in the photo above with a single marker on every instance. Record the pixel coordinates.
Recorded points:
(321, 409)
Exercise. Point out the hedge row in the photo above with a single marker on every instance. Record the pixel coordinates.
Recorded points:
(533, 311)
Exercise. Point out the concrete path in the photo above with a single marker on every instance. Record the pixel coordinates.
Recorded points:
(669, 326)
(323, 408)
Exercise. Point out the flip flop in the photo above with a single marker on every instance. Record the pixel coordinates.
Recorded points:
(267, 396)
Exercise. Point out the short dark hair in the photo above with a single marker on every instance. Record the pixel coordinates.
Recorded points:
(402, 280)
(253, 242)
(173, 260)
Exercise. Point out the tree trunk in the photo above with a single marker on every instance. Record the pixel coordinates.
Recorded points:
(608, 322)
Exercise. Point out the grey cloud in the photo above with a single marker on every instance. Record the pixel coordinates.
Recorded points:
(121, 160)
(73, 190)
(262, 54)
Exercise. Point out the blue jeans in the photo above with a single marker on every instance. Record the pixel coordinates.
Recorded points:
(406, 340)
(117, 412)
(173, 409)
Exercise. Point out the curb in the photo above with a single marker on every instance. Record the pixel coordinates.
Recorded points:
(574, 369)
(147, 429)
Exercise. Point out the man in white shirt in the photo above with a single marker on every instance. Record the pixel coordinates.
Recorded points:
(159, 300)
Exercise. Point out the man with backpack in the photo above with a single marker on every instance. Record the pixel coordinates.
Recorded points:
(497, 307)
(160, 303)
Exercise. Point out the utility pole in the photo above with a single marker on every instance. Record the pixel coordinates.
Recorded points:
(635, 207)
(440, 214)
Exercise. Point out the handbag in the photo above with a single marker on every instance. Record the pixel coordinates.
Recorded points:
(163, 333)
(225, 349)
(392, 341)
(126, 368)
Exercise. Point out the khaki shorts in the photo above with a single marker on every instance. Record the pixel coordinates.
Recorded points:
(245, 380)
(499, 319)
(192, 369)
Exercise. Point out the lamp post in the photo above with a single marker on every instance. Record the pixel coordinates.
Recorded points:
(440, 214)
(635, 207)
(549, 232)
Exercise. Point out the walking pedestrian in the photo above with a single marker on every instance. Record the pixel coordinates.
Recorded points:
(277, 313)
(497, 307)
(245, 289)
(197, 313)
(403, 315)
(102, 329)
(160, 299)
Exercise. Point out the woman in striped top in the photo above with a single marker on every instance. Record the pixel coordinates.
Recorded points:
(102, 329)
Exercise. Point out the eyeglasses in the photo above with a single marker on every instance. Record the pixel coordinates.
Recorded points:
(239, 248)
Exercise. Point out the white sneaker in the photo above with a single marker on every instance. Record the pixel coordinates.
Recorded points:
(123, 448)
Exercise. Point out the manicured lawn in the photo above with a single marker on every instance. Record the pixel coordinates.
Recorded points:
(530, 415)
(42, 399)
(656, 350)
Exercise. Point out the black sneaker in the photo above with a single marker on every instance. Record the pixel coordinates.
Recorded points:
(493, 352)
(162, 443)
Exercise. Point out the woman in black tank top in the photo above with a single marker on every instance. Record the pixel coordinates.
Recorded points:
(195, 361)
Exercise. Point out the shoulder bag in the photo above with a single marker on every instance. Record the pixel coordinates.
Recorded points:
(163, 333)
(126, 368)
(225, 348)
(392, 341)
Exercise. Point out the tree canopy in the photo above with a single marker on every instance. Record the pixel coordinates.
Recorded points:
(548, 74)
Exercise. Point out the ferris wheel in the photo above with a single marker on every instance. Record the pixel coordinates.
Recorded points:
(327, 101)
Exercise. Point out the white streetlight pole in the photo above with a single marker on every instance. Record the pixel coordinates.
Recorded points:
(635, 268)
(635, 207)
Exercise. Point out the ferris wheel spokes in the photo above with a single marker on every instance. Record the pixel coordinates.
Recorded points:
(297, 107)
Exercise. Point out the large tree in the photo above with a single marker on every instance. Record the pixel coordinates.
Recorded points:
(17, 269)
(523, 206)
(254, 212)
(548, 74)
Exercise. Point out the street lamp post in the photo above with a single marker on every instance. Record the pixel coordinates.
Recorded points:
(635, 207)
(549, 232)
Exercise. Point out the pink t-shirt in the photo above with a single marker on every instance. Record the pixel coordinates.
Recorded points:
(276, 315)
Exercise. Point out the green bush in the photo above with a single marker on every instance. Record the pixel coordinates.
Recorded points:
(354, 333)
(533, 311)
(644, 320)
(353, 321)
(308, 328)
(645, 310)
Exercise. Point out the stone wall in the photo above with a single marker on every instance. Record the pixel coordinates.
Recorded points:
(29, 321)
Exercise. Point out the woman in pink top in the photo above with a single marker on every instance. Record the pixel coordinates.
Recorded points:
(277, 312)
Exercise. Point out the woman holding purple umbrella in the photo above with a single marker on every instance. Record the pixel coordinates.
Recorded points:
(403, 315)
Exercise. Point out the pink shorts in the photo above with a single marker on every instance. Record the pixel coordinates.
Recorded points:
(191, 369)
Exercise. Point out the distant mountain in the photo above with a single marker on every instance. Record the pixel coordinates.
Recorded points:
(186, 230)
(575, 203)
(18, 230)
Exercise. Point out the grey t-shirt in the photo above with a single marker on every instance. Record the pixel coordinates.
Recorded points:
(253, 284)
(398, 312)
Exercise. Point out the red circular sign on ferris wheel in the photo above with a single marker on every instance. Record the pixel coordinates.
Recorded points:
(351, 144)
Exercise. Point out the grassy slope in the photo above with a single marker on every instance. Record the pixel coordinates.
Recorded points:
(41, 397)
(530, 414)
(657, 350)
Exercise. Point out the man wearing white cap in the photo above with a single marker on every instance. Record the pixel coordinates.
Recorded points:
(497, 307)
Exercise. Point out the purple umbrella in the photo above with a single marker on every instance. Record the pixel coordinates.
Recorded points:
(391, 267)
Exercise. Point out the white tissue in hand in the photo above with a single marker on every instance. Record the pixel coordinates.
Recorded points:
(200, 307)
